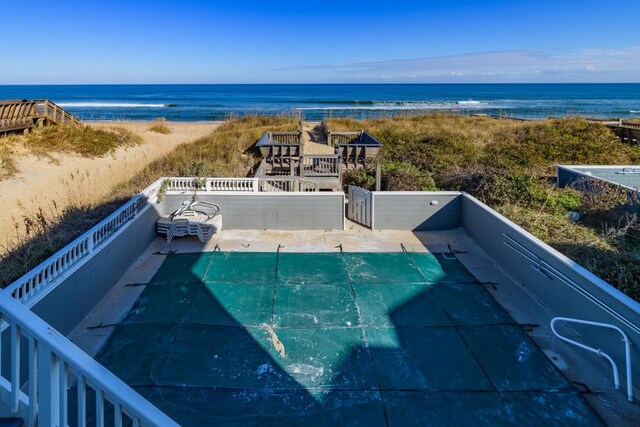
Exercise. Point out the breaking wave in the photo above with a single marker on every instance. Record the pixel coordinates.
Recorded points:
(109, 105)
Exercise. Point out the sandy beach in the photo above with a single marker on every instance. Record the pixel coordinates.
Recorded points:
(55, 184)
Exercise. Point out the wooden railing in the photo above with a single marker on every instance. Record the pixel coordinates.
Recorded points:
(23, 114)
(320, 165)
(336, 138)
(291, 138)
(16, 115)
(340, 138)
(629, 125)
(355, 154)
(51, 111)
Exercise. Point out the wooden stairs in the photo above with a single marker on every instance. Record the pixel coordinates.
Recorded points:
(20, 115)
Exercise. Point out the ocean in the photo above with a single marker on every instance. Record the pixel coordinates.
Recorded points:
(317, 101)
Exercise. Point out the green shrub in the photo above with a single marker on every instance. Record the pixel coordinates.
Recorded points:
(359, 177)
(399, 176)
(568, 199)
(509, 164)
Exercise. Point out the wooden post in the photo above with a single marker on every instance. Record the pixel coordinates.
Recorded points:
(378, 177)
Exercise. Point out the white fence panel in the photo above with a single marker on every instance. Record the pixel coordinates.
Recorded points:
(360, 206)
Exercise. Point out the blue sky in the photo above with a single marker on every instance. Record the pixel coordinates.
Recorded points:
(220, 41)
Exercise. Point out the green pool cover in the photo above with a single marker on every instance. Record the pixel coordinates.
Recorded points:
(228, 338)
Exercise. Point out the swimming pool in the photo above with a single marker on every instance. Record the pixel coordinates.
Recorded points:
(393, 338)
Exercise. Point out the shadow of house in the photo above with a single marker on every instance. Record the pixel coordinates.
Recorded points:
(365, 339)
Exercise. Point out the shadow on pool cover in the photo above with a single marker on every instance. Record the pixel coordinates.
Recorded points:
(365, 339)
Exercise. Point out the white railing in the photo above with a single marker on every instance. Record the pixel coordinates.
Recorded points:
(34, 285)
(210, 184)
(307, 185)
(599, 352)
(40, 392)
(230, 184)
(262, 184)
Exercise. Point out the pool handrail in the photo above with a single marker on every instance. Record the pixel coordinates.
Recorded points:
(599, 352)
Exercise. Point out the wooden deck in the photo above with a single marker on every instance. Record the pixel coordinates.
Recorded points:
(20, 115)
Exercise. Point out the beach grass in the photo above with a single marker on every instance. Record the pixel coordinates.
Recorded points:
(227, 151)
(7, 156)
(224, 152)
(159, 125)
(85, 140)
(510, 165)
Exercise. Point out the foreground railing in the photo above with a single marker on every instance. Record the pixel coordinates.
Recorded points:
(31, 287)
(56, 373)
(209, 184)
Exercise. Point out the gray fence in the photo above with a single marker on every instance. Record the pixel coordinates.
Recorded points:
(276, 211)
(91, 281)
(563, 286)
(420, 210)
(626, 176)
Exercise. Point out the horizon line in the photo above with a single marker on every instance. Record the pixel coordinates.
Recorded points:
(318, 84)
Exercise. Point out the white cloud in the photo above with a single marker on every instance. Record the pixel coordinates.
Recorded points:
(596, 65)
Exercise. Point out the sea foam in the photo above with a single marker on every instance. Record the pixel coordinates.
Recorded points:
(108, 105)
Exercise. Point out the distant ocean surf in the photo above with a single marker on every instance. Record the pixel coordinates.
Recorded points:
(315, 102)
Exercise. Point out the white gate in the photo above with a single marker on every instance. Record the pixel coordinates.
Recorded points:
(360, 205)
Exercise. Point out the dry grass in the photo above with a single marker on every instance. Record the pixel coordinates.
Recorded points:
(83, 140)
(505, 163)
(225, 152)
(7, 156)
(160, 126)
(510, 166)
(47, 231)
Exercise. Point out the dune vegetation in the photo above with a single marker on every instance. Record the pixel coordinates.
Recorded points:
(159, 125)
(224, 152)
(510, 165)
(7, 156)
(82, 140)
(85, 141)
(507, 164)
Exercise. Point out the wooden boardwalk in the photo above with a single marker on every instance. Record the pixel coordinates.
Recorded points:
(20, 115)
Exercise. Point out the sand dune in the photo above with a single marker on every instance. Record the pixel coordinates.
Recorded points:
(53, 185)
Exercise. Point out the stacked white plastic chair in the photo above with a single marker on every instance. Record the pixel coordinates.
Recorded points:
(201, 219)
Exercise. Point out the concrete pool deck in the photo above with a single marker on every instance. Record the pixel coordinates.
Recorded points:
(532, 317)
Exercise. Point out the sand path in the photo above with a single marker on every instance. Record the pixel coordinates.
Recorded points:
(313, 140)
(41, 183)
